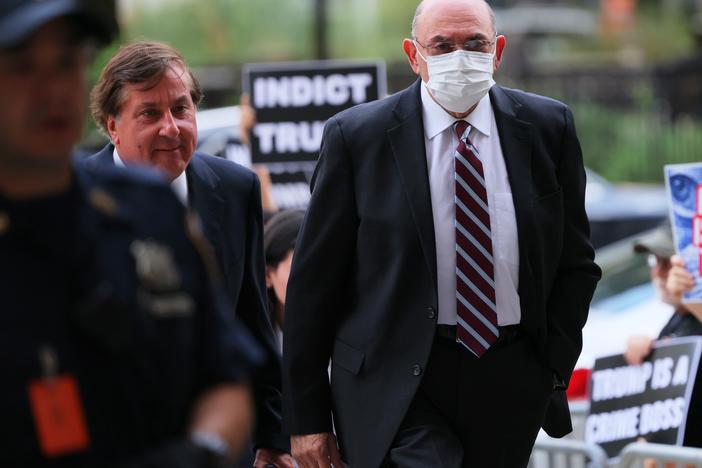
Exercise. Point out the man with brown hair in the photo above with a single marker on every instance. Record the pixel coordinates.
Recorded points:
(146, 100)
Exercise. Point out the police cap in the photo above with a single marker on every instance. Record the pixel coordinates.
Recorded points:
(20, 18)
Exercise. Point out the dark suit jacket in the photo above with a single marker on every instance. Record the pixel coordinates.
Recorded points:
(363, 285)
(227, 198)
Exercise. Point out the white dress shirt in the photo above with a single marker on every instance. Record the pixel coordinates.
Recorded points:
(179, 184)
(441, 141)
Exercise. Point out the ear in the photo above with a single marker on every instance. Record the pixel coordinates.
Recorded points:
(411, 53)
(112, 129)
(499, 48)
(269, 276)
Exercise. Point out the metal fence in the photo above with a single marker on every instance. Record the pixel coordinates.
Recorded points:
(660, 456)
(564, 453)
(630, 122)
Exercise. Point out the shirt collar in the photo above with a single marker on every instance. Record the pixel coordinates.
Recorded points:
(179, 184)
(118, 161)
(436, 119)
(180, 187)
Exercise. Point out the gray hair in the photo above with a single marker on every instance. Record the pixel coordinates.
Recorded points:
(420, 8)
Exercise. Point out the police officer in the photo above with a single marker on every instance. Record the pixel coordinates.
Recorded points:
(115, 345)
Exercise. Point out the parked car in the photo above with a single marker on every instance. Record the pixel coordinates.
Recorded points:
(218, 131)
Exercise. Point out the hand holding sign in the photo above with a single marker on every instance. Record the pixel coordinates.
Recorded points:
(684, 188)
(679, 282)
(679, 279)
(637, 349)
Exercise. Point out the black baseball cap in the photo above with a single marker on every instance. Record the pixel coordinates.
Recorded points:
(20, 18)
(658, 241)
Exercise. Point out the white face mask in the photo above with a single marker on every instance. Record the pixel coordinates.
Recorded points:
(460, 79)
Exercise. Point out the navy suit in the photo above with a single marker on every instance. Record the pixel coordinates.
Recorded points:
(363, 286)
(227, 198)
(141, 343)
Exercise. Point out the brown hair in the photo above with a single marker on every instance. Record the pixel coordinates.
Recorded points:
(137, 62)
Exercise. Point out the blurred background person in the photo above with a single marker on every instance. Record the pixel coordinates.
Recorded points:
(115, 347)
(247, 121)
(279, 236)
(146, 99)
(670, 280)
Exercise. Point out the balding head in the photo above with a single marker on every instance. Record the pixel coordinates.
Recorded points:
(428, 7)
(441, 26)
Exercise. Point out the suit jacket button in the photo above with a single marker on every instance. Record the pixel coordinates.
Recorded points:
(416, 370)
(431, 313)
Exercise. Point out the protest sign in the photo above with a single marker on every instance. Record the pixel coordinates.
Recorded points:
(684, 186)
(649, 401)
(294, 100)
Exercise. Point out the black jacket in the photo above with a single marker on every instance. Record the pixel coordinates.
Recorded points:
(364, 272)
(227, 198)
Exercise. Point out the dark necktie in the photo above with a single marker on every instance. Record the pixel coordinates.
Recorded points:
(476, 310)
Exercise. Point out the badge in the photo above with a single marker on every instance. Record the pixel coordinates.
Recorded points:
(155, 266)
(58, 413)
(160, 278)
(170, 305)
(103, 202)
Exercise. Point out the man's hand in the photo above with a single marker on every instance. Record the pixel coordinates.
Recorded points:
(265, 458)
(225, 411)
(679, 279)
(637, 349)
(264, 177)
(316, 451)
(247, 118)
(679, 282)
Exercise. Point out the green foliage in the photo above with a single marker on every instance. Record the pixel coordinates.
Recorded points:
(663, 35)
(227, 31)
(354, 33)
(634, 145)
(239, 31)
(622, 144)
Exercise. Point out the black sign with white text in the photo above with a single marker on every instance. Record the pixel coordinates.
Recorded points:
(294, 100)
(649, 401)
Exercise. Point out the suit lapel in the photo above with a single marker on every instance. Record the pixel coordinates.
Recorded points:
(407, 142)
(203, 196)
(103, 158)
(516, 142)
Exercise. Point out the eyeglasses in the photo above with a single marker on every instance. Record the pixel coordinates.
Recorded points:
(473, 45)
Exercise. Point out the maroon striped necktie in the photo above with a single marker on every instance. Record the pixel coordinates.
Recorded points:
(476, 311)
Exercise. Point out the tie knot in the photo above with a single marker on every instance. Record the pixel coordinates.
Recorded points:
(461, 126)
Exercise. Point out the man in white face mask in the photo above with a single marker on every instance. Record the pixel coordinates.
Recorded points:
(444, 265)
(457, 76)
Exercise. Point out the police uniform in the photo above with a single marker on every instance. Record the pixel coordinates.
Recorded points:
(105, 301)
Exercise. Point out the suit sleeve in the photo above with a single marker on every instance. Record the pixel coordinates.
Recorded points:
(577, 274)
(252, 310)
(318, 288)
